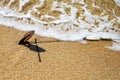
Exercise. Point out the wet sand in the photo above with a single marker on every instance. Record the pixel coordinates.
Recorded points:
(59, 60)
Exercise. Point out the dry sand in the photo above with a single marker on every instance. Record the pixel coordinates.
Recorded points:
(60, 61)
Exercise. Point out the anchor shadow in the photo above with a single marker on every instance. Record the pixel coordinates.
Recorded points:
(33, 48)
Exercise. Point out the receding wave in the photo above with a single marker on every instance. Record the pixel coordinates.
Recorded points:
(71, 20)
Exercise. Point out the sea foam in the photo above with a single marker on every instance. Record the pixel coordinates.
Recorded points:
(68, 26)
(117, 2)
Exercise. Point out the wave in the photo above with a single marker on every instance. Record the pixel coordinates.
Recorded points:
(70, 20)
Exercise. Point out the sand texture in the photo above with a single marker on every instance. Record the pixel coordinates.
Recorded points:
(60, 60)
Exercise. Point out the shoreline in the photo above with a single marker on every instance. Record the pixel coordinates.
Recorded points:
(60, 60)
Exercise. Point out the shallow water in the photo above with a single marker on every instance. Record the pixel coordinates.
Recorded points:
(70, 20)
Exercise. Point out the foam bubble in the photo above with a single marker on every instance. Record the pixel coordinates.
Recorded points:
(117, 2)
(115, 46)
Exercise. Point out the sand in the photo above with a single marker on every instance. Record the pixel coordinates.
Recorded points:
(60, 60)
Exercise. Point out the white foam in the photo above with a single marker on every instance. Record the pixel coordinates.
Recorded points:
(10, 2)
(93, 4)
(22, 3)
(117, 2)
(64, 28)
(78, 1)
(115, 46)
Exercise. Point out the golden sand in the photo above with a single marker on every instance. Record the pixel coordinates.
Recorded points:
(60, 61)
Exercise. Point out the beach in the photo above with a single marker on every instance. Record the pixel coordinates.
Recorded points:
(59, 60)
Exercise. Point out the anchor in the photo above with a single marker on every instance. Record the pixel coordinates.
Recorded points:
(24, 41)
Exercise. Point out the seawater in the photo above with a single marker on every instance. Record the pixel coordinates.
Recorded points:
(68, 25)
